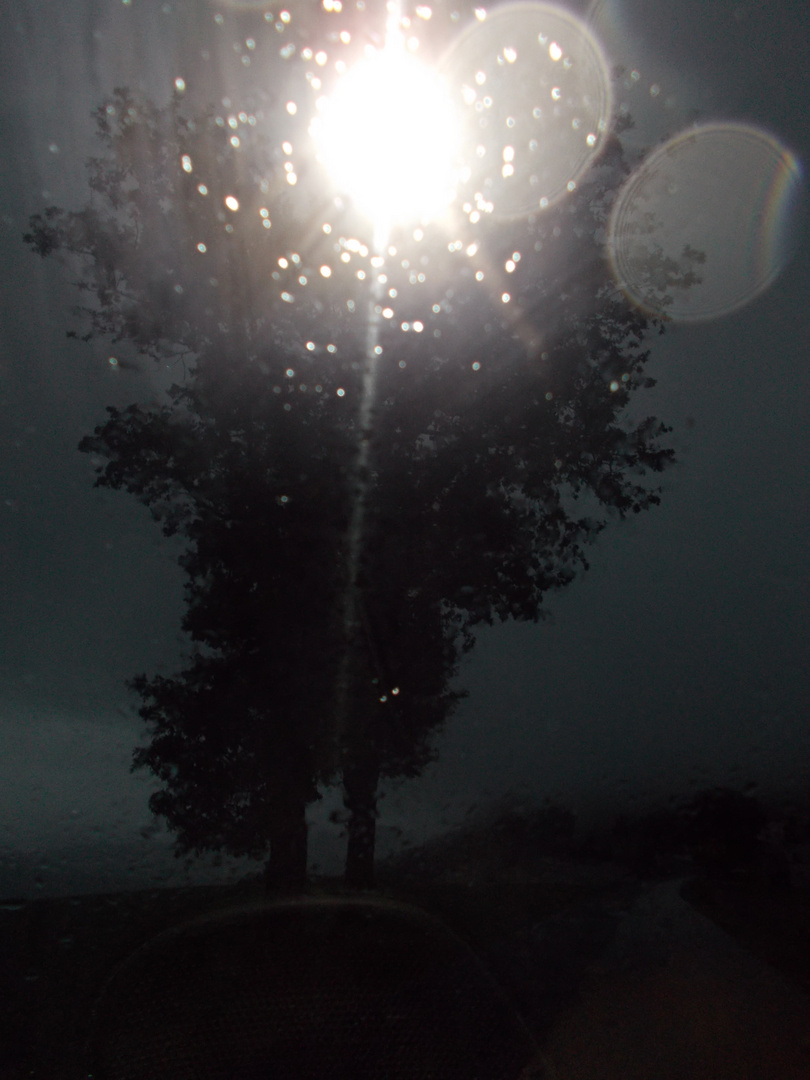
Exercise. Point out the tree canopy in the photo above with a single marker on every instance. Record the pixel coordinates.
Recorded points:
(496, 445)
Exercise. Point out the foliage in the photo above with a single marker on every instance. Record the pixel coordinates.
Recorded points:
(500, 445)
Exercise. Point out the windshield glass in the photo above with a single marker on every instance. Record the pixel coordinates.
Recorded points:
(404, 473)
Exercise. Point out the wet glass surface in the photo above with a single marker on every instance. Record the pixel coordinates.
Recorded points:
(440, 372)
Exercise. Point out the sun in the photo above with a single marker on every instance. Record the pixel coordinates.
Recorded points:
(388, 137)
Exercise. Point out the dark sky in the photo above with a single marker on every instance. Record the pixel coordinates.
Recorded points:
(679, 661)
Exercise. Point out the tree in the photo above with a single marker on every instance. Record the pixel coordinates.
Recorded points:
(499, 444)
(237, 734)
(722, 828)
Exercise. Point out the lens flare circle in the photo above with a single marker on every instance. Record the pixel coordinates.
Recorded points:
(386, 134)
(533, 91)
(706, 223)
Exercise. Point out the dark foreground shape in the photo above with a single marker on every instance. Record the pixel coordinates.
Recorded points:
(310, 989)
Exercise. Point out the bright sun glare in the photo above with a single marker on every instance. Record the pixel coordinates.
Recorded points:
(387, 136)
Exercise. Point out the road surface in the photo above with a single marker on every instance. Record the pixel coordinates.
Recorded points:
(645, 988)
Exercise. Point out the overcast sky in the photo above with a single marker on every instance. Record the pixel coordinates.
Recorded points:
(679, 661)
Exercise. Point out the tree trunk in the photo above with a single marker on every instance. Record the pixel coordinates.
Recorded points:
(286, 869)
(360, 780)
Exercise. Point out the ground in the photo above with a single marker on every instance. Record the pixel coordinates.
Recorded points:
(614, 975)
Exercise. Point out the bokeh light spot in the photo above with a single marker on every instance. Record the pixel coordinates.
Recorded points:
(707, 222)
(516, 52)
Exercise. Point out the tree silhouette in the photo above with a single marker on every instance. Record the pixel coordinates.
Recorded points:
(723, 826)
(500, 443)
